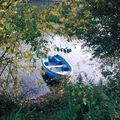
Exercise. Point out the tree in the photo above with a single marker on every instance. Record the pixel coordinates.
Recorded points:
(95, 21)
(19, 23)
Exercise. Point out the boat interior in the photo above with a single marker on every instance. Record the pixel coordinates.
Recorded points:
(55, 64)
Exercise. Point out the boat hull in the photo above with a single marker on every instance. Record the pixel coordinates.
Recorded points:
(62, 70)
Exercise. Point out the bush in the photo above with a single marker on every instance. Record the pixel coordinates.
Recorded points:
(79, 102)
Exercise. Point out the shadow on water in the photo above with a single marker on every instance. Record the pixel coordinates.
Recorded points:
(49, 81)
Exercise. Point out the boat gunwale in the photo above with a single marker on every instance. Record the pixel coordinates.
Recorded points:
(68, 64)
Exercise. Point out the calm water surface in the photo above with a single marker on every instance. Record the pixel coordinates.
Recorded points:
(79, 58)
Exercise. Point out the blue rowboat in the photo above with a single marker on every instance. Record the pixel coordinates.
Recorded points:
(56, 67)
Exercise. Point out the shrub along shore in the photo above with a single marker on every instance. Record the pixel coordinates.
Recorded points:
(67, 102)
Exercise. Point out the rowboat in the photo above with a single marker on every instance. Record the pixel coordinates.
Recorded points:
(56, 67)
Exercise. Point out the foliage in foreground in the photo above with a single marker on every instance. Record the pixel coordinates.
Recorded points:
(20, 24)
(95, 21)
(79, 102)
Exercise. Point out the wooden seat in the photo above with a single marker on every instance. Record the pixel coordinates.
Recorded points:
(56, 66)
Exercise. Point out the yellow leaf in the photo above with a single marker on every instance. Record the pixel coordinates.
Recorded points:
(1, 29)
(5, 4)
(42, 72)
(3, 11)
(9, 51)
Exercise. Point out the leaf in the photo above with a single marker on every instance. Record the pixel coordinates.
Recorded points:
(85, 101)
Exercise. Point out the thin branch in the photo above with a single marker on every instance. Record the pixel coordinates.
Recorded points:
(8, 74)
(3, 69)
(4, 53)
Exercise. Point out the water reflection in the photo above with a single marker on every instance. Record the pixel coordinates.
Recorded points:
(79, 58)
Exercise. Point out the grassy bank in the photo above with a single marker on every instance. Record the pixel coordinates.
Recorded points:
(70, 102)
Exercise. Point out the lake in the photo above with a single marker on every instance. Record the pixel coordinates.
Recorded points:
(80, 59)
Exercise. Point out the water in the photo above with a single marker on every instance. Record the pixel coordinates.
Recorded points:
(80, 59)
